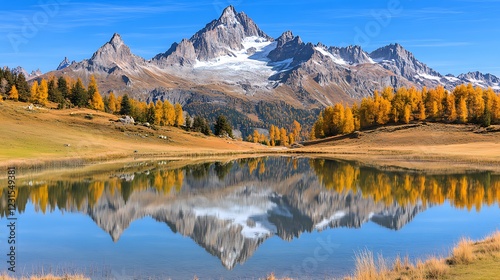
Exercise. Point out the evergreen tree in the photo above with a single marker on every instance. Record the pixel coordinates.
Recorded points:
(22, 87)
(223, 127)
(79, 95)
(150, 113)
(189, 122)
(201, 125)
(125, 106)
(63, 88)
(54, 93)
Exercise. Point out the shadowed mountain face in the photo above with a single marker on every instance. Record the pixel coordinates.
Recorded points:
(231, 208)
(233, 67)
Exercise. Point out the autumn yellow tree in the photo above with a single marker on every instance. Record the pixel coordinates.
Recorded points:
(283, 137)
(179, 115)
(421, 111)
(407, 114)
(168, 113)
(112, 103)
(34, 91)
(95, 98)
(158, 113)
(255, 136)
(462, 110)
(451, 109)
(13, 93)
(475, 104)
(338, 118)
(383, 110)
(328, 124)
(367, 112)
(42, 92)
(495, 109)
(272, 135)
(317, 130)
(348, 126)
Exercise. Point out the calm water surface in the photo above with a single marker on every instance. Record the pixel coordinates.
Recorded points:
(241, 219)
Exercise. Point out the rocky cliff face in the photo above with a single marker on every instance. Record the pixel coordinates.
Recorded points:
(401, 62)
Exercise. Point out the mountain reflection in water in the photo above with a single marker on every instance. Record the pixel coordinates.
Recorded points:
(230, 208)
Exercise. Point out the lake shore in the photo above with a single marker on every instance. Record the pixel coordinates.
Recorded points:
(44, 138)
(468, 260)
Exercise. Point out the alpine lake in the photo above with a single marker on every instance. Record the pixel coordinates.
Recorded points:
(297, 217)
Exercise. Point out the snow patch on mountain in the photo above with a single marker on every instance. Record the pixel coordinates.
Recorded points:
(249, 64)
(428, 77)
(335, 59)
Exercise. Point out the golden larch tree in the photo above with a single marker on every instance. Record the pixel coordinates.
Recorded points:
(13, 93)
(256, 136)
(421, 111)
(283, 137)
(158, 113)
(297, 129)
(338, 118)
(95, 98)
(112, 103)
(179, 115)
(462, 110)
(168, 113)
(451, 108)
(348, 126)
(34, 91)
(42, 93)
(407, 114)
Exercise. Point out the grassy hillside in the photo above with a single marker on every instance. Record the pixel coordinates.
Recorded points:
(41, 134)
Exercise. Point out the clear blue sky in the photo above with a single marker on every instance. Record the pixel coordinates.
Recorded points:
(450, 36)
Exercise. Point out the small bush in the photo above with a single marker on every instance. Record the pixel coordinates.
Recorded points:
(89, 117)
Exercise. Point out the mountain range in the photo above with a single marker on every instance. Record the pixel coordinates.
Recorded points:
(233, 67)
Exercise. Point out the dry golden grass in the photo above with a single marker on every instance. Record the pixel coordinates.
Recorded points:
(431, 146)
(462, 252)
(469, 260)
(435, 268)
(272, 277)
(492, 242)
(42, 136)
(365, 266)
